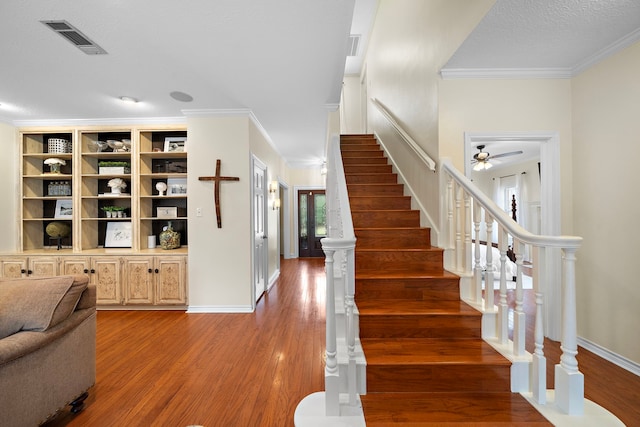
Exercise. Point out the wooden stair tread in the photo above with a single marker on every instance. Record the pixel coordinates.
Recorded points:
(402, 307)
(450, 409)
(426, 275)
(432, 351)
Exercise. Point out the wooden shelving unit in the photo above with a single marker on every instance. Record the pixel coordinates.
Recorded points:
(130, 276)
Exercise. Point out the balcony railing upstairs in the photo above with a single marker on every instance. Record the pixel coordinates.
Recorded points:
(465, 209)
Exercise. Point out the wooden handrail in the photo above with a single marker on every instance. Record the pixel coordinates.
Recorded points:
(422, 155)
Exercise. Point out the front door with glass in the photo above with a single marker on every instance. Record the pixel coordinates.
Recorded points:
(312, 222)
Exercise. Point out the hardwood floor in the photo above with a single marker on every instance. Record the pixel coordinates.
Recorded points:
(605, 383)
(175, 369)
(248, 370)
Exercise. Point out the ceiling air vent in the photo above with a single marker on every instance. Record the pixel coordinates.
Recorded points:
(352, 47)
(74, 36)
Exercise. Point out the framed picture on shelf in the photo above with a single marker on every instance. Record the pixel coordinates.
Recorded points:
(167, 212)
(175, 144)
(64, 209)
(118, 235)
(176, 186)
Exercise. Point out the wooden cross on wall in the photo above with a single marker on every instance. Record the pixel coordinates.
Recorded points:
(216, 192)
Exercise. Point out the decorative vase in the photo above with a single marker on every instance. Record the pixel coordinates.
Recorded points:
(169, 239)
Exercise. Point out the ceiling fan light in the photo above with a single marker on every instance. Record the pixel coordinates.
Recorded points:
(487, 165)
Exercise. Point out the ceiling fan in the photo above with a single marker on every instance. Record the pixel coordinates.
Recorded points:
(481, 159)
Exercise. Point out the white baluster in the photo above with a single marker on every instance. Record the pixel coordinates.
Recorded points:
(519, 316)
(459, 228)
(503, 306)
(569, 381)
(488, 275)
(477, 271)
(467, 233)
(450, 224)
(539, 366)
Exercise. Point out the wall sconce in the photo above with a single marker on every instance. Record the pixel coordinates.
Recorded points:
(323, 168)
(273, 189)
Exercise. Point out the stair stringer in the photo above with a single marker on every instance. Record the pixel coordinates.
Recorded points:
(521, 366)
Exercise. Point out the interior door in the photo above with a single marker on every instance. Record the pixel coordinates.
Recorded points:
(312, 222)
(259, 232)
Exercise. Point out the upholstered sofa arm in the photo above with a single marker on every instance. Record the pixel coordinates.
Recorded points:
(88, 298)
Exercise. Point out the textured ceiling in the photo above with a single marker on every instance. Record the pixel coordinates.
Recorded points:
(562, 35)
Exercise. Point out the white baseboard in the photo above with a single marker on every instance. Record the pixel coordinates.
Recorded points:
(220, 309)
(610, 356)
(273, 278)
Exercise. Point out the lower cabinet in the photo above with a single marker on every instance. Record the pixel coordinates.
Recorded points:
(127, 280)
(155, 280)
(16, 267)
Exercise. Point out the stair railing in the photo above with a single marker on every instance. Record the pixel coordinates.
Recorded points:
(464, 206)
(339, 247)
(422, 155)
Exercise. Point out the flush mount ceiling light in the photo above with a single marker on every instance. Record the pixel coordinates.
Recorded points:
(75, 37)
(128, 99)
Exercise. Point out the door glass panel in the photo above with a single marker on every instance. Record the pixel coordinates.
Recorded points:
(320, 212)
(303, 221)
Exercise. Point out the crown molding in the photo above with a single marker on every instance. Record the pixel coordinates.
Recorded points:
(101, 122)
(601, 55)
(505, 73)
(542, 73)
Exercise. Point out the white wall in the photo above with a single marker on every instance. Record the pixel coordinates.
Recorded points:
(605, 179)
(410, 42)
(219, 258)
(10, 188)
(350, 106)
(478, 106)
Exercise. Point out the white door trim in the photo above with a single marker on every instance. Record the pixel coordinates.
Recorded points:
(550, 220)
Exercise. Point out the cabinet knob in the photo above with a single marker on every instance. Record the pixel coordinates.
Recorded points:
(157, 271)
(23, 271)
(86, 270)
(29, 271)
(150, 271)
(93, 271)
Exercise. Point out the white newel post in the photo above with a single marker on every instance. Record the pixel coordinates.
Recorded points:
(569, 381)
(331, 374)
(350, 288)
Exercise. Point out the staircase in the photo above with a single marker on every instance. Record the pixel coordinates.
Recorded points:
(426, 361)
